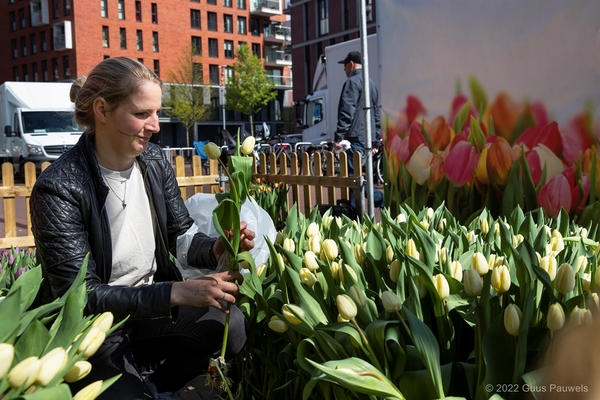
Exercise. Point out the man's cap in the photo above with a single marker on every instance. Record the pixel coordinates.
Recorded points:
(353, 56)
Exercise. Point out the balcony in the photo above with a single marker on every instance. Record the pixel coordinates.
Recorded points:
(62, 36)
(277, 33)
(281, 82)
(39, 12)
(265, 8)
(276, 57)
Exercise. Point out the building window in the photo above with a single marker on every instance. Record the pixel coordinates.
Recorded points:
(43, 41)
(241, 4)
(66, 69)
(241, 25)
(55, 68)
(121, 9)
(213, 49)
(228, 48)
(227, 23)
(139, 40)
(196, 45)
(214, 2)
(240, 44)
(22, 17)
(34, 71)
(105, 41)
(33, 41)
(140, 60)
(213, 72)
(123, 38)
(226, 3)
(16, 74)
(103, 9)
(25, 73)
(45, 70)
(13, 21)
(56, 11)
(256, 49)
(154, 9)
(195, 19)
(155, 42)
(157, 67)
(212, 21)
(15, 49)
(369, 10)
(195, 1)
(23, 46)
(254, 27)
(67, 7)
(138, 11)
(323, 16)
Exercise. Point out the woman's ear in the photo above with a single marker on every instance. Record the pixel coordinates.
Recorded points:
(100, 109)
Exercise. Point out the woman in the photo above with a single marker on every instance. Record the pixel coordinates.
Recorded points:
(115, 196)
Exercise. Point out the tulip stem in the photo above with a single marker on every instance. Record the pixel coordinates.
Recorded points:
(226, 331)
(372, 355)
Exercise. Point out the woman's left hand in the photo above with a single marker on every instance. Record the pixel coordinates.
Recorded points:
(246, 241)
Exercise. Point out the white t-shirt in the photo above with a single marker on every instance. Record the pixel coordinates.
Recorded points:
(132, 233)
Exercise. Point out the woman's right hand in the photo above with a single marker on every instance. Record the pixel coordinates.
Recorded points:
(214, 290)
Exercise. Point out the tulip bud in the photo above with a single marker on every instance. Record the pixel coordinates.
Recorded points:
(313, 229)
(24, 373)
(390, 301)
(456, 270)
(556, 317)
(411, 249)
(358, 296)
(307, 277)
(340, 318)
(104, 321)
(338, 221)
(548, 264)
(260, 270)
(395, 267)
(443, 255)
(441, 285)
(436, 257)
(327, 221)
(581, 263)
(586, 282)
(293, 313)
(277, 325)
(596, 299)
(484, 226)
(479, 264)
(472, 282)
(470, 236)
(92, 341)
(279, 238)
(330, 249)
(389, 254)
(512, 319)
(50, 364)
(314, 244)
(7, 353)
(580, 316)
(557, 243)
(78, 371)
(350, 271)
(212, 151)
(248, 145)
(425, 224)
(310, 261)
(289, 245)
(346, 306)
(335, 270)
(501, 279)
(359, 254)
(500, 159)
(565, 279)
(401, 218)
(517, 240)
(89, 392)
(442, 225)
(280, 262)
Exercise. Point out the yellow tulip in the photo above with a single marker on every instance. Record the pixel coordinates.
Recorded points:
(330, 248)
(586, 282)
(7, 353)
(358, 296)
(395, 267)
(279, 238)
(472, 282)
(411, 249)
(92, 342)
(335, 270)
(340, 318)
(90, 392)
(359, 254)
(277, 325)
(280, 262)
(484, 226)
(260, 271)
(441, 285)
(212, 151)
(310, 261)
(401, 218)
(307, 277)
(24, 373)
(327, 221)
(581, 263)
(78, 371)
(512, 319)
(555, 319)
(104, 321)
(565, 279)
(314, 244)
(289, 245)
(248, 145)
(442, 225)
(443, 255)
(501, 279)
(346, 306)
(580, 316)
(290, 312)
(313, 229)
(548, 264)
(389, 254)
(51, 363)
(456, 270)
(390, 301)
(479, 263)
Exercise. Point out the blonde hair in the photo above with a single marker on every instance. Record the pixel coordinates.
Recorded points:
(115, 80)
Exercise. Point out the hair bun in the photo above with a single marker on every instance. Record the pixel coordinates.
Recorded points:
(75, 87)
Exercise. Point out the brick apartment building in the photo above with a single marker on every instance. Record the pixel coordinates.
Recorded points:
(59, 40)
(318, 24)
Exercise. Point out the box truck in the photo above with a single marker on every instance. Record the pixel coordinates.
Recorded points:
(37, 122)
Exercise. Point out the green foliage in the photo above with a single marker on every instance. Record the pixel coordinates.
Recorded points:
(272, 197)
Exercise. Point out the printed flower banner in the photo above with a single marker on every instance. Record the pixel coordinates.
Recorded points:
(491, 104)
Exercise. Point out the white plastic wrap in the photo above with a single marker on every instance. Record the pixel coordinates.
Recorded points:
(201, 206)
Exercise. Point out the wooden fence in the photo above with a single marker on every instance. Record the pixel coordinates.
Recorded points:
(303, 188)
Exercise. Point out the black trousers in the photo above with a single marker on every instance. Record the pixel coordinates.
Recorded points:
(177, 352)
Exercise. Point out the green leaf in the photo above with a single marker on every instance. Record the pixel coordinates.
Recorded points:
(59, 392)
(10, 312)
(32, 342)
(30, 283)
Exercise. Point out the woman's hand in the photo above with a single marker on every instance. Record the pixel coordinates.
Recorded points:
(215, 290)
(246, 241)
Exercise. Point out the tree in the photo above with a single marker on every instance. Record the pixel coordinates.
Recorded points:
(185, 91)
(250, 88)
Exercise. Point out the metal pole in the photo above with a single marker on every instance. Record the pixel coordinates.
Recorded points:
(367, 108)
(223, 93)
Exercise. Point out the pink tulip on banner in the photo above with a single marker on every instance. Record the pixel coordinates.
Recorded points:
(550, 161)
(576, 138)
(415, 137)
(399, 147)
(547, 135)
(440, 134)
(500, 159)
(554, 195)
(457, 104)
(578, 199)
(535, 165)
(460, 163)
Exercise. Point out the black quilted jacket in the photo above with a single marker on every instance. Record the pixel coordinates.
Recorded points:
(69, 221)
